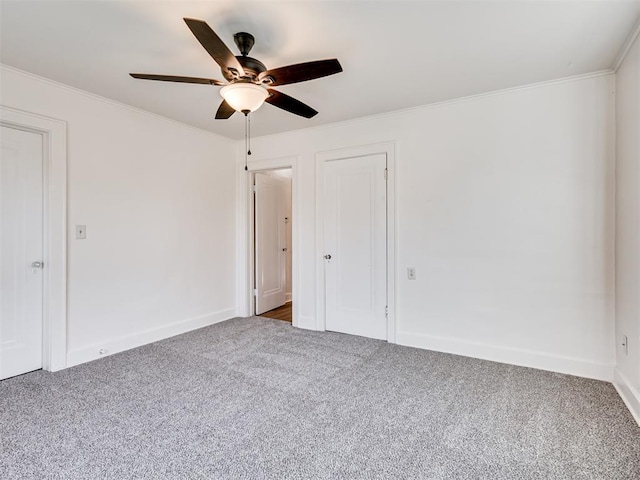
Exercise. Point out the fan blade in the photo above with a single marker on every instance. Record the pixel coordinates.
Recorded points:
(302, 72)
(173, 78)
(214, 45)
(224, 111)
(290, 104)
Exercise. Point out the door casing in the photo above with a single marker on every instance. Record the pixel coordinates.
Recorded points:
(360, 151)
(54, 314)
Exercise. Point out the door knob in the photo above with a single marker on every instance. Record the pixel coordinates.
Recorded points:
(327, 257)
(37, 265)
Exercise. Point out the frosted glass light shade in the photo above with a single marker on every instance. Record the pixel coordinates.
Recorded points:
(244, 96)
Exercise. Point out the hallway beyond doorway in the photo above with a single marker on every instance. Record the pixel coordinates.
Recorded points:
(285, 312)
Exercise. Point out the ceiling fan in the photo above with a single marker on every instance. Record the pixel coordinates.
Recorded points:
(248, 82)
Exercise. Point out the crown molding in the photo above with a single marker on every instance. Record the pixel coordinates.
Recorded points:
(110, 101)
(428, 106)
(626, 46)
(467, 98)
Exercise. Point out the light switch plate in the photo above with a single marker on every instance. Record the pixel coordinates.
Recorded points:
(81, 232)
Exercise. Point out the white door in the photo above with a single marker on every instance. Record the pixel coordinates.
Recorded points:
(21, 277)
(270, 243)
(355, 229)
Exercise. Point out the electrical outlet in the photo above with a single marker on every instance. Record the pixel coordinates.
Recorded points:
(81, 232)
(411, 273)
(625, 344)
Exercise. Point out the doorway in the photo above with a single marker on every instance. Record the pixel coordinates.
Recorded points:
(21, 250)
(355, 234)
(33, 248)
(272, 244)
(355, 225)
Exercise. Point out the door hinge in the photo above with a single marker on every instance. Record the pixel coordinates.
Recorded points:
(386, 173)
(255, 292)
(386, 311)
(254, 188)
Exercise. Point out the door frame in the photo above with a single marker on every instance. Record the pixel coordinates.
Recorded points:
(280, 228)
(54, 306)
(389, 149)
(246, 278)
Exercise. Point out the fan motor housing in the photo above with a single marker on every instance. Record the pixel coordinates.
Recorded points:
(252, 67)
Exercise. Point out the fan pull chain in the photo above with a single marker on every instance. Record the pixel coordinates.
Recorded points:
(249, 139)
(246, 139)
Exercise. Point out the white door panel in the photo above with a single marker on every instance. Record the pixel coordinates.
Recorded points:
(21, 244)
(270, 243)
(355, 238)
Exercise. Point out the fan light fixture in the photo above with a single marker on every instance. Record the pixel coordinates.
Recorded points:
(244, 97)
(247, 81)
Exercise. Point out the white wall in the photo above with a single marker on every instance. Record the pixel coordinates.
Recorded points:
(628, 227)
(158, 200)
(505, 207)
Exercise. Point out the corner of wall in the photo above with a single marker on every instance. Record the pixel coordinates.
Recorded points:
(630, 396)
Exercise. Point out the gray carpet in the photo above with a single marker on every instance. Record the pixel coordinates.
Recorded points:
(255, 398)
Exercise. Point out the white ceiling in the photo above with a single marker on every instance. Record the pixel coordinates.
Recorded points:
(395, 54)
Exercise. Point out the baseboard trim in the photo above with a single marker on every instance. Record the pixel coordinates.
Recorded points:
(287, 297)
(524, 358)
(630, 396)
(109, 347)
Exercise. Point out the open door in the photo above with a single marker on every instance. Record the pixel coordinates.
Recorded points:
(270, 243)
